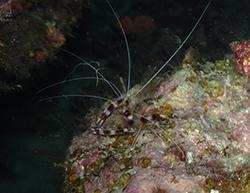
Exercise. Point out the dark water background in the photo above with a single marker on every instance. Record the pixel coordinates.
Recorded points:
(35, 135)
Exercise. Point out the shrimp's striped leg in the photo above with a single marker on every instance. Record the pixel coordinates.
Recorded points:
(100, 131)
(103, 117)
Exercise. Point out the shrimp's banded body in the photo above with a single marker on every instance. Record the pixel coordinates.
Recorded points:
(100, 127)
(127, 118)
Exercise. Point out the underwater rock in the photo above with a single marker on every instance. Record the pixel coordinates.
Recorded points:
(31, 33)
(163, 180)
(241, 55)
(198, 143)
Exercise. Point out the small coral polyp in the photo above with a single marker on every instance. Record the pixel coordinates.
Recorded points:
(241, 56)
(202, 147)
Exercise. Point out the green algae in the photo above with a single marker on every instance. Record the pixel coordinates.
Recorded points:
(122, 148)
(97, 165)
(144, 162)
(123, 181)
(190, 58)
(166, 110)
(237, 182)
(213, 88)
(98, 191)
(224, 66)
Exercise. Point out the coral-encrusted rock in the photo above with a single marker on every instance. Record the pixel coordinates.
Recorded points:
(164, 180)
(26, 40)
(241, 54)
(201, 145)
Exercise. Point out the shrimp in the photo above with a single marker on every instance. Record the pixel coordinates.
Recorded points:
(122, 115)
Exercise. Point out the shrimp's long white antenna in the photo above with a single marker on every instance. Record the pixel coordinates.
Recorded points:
(178, 49)
(91, 66)
(75, 68)
(76, 79)
(126, 43)
(75, 95)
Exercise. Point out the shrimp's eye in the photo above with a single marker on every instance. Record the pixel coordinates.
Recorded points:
(119, 101)
(126, 113)
(126, 102)
(144, 120)
(130, 122)
(111, 107)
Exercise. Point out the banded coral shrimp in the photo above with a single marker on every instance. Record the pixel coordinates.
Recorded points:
(121, 116)
(123, 109)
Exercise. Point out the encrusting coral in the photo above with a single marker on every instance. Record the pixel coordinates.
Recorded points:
(31, 32)
(203, 144)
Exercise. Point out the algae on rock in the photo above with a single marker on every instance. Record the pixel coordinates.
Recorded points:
(202, 145)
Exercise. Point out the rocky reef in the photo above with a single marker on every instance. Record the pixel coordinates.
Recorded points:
(201, 145)
(31, 33)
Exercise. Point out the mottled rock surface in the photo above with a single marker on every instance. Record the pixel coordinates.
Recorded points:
(201, 145)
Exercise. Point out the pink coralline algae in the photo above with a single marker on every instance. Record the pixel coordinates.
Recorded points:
(55, 38)
(10, 9)
(241, 133)
(40, 56)
(241, 56)
(157, 180)
(201, 146)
